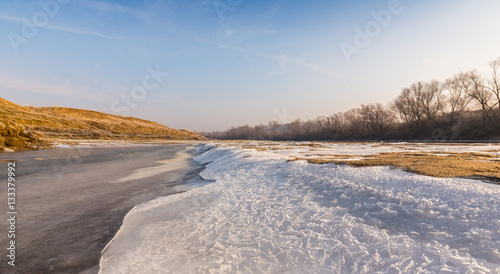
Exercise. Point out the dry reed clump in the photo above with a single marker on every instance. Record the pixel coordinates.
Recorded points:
(311, 145)
(14, 136)
(255, 147)
(264, 148)
(466, 165)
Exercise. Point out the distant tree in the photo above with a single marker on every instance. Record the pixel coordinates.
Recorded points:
(407, 106)
(356, 124)
(259, 132)
(379, 119)
(336, 125)
(419, 103)
(295, 129)
(493, 84)
(432, 100)
(309, 130)
(274, 127)
(481, 95)
(457, 89)
(323, 128)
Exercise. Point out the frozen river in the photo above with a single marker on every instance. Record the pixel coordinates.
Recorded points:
(260, 213)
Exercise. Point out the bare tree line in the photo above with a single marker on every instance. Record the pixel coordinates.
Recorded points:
(465, 106)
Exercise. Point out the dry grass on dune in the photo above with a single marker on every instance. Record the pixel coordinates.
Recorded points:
(466, 165)
(13, 136)
(101, 125)
(68, 123)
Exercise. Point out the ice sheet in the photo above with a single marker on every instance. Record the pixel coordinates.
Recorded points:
(263, 214)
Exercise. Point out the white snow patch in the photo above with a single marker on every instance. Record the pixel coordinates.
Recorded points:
(287, 150)
(8, 150)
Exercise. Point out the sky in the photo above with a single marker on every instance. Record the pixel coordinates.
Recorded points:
(212, 64)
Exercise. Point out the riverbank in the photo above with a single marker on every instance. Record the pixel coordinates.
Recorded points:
(71, 201)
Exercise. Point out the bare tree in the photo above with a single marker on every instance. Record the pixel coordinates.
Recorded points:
(407, 107)
(336, 125)
(322, 124)
(308, 129)
(259, 132)
(356, 124)
(420, 103)
(457, 88)
(494, 84)
(274, 127)
(295, 129)
(432, 100)
(480, 95)
(379, 119)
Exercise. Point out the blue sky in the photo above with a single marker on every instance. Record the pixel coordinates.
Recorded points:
(261, 61)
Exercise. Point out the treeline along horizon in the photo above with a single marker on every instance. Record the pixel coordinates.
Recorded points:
(465, 106)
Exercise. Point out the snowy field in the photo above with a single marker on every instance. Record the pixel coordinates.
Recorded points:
(263, 214)
(334, 150)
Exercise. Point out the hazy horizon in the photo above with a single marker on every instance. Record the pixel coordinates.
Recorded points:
(210, 65)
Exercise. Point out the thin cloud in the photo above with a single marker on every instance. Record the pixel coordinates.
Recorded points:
(81, 31)
(283, 60)
(18, 20)
(115, 8)
(246, 33)
(280, 72)
(315, 67)
(107, 7)
(12, 83)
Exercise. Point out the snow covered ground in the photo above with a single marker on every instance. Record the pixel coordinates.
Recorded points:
(290, 150)
(262, 214)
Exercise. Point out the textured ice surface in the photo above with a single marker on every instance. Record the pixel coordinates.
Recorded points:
(265, 215)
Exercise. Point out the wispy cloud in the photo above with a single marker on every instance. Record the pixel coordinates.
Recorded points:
(280, 72)
(285, 60)
(282, 59)
(49, 89)
(73, 30)
(115, 8)
(106, 7)
(242, 34)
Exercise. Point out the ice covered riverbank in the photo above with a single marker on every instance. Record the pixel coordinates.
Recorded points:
(264, 214)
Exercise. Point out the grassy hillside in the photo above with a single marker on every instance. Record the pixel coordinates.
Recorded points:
(24, 127)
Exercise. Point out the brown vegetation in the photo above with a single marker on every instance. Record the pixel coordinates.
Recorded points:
(466, 165)
(13, 136)
(25, 126)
